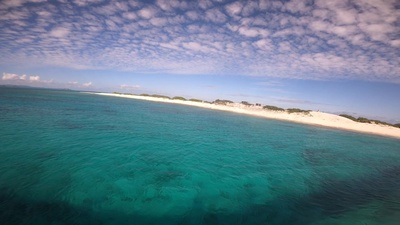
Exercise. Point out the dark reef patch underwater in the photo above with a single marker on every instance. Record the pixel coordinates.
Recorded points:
(74, 158)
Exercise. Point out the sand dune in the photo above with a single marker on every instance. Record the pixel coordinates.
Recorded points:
(313, 118)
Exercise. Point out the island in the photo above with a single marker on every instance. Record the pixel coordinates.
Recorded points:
(295, 115)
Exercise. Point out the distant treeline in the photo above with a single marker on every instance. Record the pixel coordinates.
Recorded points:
(179, 98)
(274, 108)
(296, 110)
(222, 102)
(365, 120)
(290, 110)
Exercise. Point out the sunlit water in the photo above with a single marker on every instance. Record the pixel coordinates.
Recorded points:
(76, 158)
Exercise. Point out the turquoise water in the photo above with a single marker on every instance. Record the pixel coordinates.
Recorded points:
(76, 158)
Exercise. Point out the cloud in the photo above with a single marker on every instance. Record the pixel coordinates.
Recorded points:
(158, 21)
(216, 16)
(234, 8)
(17, 3)
(88, 84)
(34, 78)
(11, 76)
(170, 5)
(297, 39)
(59, 32)
(87, 2)
(24, 79)
(147, 12)
(126, 86)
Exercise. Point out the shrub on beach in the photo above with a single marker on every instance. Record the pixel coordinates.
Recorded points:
(195, 100)
(296, 110)
(146, 95)
(363, 120)
(359, 119)
(222, 102)
(397, 125)
(179, 98)
(381, 122)
(246, 103)
(274, 108)
(348, 117)
(160, 96)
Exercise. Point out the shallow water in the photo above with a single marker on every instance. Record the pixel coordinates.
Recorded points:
(75, 158)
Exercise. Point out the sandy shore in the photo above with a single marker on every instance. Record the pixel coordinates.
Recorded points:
(313, 118)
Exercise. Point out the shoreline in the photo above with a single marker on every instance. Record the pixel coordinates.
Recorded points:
(313, 118)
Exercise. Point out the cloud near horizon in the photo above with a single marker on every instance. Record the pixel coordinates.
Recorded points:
(76, 84)
(126, 86)
(23, 78)
(299, 39)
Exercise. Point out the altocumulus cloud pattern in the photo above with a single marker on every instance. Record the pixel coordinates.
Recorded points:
(301, 39)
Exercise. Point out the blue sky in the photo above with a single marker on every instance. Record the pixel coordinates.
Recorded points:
(335, 56)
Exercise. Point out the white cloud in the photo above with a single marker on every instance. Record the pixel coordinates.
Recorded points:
(249, 32)
(24, 79)
(126, 86)
(298, 6)
(234, 8)
(158, 21)
(192, 15)
(34, 78)
(11, 76)
(87, 2)
(129, 15)
(346, 16)
(17, 3)
(205, 4)
(147, 13)
(216, 16)
(59, 32)
(263, 44)
(294, 39)
(88, 84)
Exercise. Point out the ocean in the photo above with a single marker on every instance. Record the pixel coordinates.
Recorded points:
(76, 158)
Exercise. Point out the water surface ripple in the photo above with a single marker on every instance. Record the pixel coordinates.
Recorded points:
(75, 158)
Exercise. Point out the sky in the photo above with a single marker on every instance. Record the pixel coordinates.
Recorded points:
(336, 56)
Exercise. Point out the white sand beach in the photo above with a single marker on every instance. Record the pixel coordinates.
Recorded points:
(313, 118)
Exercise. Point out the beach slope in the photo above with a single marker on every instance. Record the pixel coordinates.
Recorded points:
(311, 118)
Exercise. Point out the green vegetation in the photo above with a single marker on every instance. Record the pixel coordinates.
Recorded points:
(381, 122)
(268, 107)
(195, 100)
(119, 93)
(179, 98)
(359, 119)
(274, 108)
(160, 96)
(348, 117)
(296, 110)
(365, 120)
(246, 103)
(222, 102)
